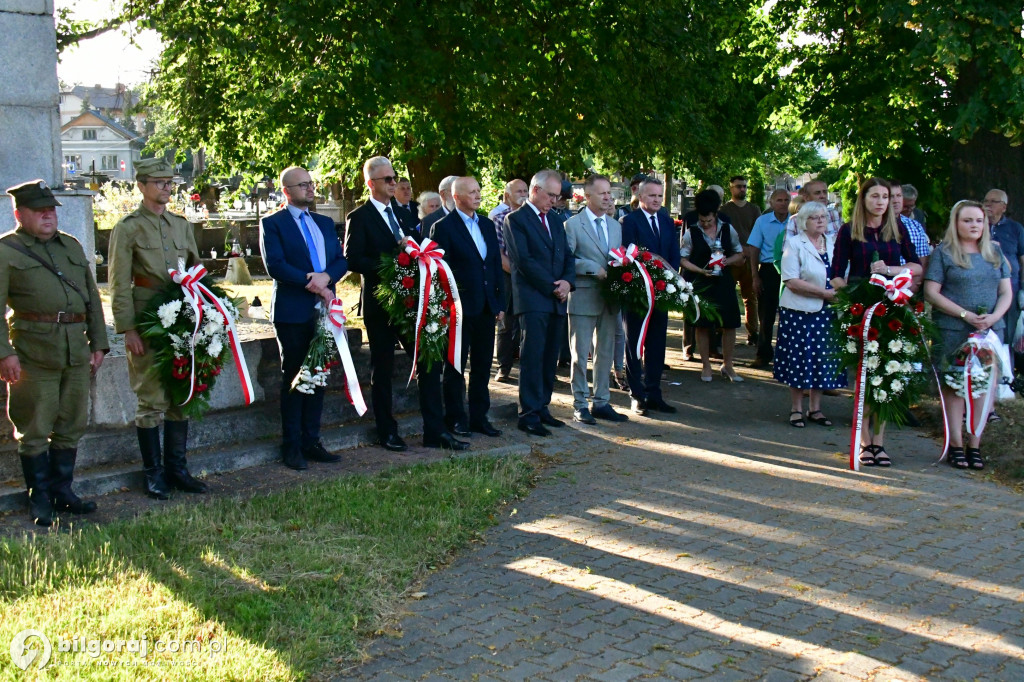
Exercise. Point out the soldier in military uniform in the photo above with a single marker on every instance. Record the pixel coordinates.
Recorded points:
(56, 338)
(145, 245)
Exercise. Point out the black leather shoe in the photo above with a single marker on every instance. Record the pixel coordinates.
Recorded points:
(638, 406)
(660, 405)
(547, 420)
(583, 416)
(534, 429)
(318, 453)
(609, 413)
(394, 443)
(446, 441)
(293, 459)
(485, 428)
(459, 428)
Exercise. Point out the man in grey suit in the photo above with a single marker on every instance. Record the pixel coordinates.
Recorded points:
(590, 235)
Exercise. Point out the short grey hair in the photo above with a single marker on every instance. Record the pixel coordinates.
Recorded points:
(810, 208)
(422, 200)
(649, 181)
(446, 184)
(719, 189)
(541, 178)
(372, 164)
(909, 192)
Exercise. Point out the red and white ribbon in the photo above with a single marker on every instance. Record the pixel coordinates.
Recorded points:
(336, 326)
(976, 416)
(859, 391)
(621, 257)
(897, 289)
(431, 262)
(718, 260)
(196, 293)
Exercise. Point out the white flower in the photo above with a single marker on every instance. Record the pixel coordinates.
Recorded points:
(432, 328)
(896, 386)
(881, 396)
(872, 346)
(876, 381)
(168, 313)
(917, 366)
(906, 368)
(895, 345)
(871, 362)
(685, 298)
(215, 347)
(851, 347)
(892, 367)
(670, 289)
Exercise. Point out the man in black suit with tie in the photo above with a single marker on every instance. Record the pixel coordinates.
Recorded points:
(471, 249)
(543, 274)
(372, 230)
(651, 228)
(302, 254)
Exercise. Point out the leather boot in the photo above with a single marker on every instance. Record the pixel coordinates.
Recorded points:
(37, 479)
(149, 446)
(62, 469)
(176, 468)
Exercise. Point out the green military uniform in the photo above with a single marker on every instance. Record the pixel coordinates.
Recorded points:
(53, 332)
(143, 247)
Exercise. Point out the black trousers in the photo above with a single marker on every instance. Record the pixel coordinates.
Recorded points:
(538, 359)
(477, 346)
(767, 309)
(508, 331)
(644, 377)
(300, 412)
(382, 337)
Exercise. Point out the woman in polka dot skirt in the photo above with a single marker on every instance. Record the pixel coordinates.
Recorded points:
(806, 357)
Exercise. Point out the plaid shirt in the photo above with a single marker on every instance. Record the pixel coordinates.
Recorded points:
(918, 236)
(499, 224)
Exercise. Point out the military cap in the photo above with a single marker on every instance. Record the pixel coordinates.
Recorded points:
(153, 168)
(33, 194)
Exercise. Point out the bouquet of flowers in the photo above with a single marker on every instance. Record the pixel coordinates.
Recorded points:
(640, 281)
(881, 337)
(419, 294)
(190, 327)
(973, 365)
(329, 349)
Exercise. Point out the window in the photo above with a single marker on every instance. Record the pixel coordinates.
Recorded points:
(73, 163)
(108, 162)
(89, 134)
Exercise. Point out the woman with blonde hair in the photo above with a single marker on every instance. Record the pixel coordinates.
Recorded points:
(967, 274)
(873, 242)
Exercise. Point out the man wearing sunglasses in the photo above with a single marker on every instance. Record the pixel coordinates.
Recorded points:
(371, 231)
(144, 245)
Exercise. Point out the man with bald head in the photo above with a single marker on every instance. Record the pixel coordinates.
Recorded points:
(1010, 235)
(447, 205)
(471, 251)
(508, 328)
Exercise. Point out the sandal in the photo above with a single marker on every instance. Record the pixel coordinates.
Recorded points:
(820, 419)
(867, 455)
(957, 459)
(799, 421)
(881, 456)
(974, 458)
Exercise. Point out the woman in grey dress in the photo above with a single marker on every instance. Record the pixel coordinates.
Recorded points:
(968, 285)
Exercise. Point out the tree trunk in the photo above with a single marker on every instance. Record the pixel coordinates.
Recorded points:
(987, 161)
(426, 172)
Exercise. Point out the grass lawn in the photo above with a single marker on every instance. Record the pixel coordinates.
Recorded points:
(286, 585)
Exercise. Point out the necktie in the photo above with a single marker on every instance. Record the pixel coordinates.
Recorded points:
(395, 229)
(654, 227)
(544, 221)
(314, 256)
(601, 234)
(478, 238)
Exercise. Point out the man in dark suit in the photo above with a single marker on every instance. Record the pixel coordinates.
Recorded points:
(447, 204)
(653, 229)
(302, 253)
(403, 196)
(373, 230)
(543, 274)
(471, 249)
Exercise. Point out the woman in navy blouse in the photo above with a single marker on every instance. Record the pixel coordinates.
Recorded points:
(873, 242)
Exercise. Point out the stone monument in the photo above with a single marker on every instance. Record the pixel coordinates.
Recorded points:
(29, 115)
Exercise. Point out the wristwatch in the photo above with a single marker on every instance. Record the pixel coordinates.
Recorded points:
(963, 314)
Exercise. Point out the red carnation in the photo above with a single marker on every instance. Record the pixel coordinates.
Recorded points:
(854, 330)
(196, 197)
(856, 310)
(410, 302)
(872, 334)
(659, 285)
(408, 282)
(443, 321)
(895, 325)
(919, 307)
(403, 259)
(655, 265)
(914, 331)
(627, 277)
(201, 387)
(646, 256)
(881, 310)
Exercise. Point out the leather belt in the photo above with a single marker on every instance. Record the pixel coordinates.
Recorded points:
(60, 318)
(146, 282)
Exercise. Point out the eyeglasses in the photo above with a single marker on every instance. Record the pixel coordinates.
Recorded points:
(389, 179)
(304, 185)
(161, 184)
(993, 202)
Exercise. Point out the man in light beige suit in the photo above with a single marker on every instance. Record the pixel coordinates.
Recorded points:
(590, 235)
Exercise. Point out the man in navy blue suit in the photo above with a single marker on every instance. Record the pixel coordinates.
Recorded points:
(543, 274)
(650, 227)
(371, 231)
(302, 253)
(470, 246)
